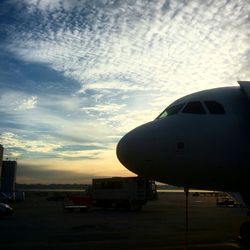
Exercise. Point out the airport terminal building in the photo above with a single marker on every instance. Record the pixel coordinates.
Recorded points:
(7, 174)
(1, 163)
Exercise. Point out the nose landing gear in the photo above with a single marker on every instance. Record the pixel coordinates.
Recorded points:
(186, 190)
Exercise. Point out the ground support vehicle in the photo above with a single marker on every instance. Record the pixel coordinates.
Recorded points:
(123, 192)
(78, 203)
(5, 210)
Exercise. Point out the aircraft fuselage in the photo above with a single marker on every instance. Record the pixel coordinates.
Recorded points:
(201, 141)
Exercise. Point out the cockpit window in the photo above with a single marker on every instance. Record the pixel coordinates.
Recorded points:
(172, 110)
(215, 107)
(194, 108)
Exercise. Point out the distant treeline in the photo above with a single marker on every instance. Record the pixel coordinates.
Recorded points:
(72, 186)
(51, 186)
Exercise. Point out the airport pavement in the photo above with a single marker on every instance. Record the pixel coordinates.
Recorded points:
(41, 224)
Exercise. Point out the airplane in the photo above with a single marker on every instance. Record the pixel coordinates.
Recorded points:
(200, 141)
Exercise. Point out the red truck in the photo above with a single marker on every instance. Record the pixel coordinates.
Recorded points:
(116, 192)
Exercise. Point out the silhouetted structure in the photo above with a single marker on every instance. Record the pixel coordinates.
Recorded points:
(8, 176)
(1, 162)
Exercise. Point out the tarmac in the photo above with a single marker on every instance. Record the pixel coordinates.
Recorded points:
(41, 224)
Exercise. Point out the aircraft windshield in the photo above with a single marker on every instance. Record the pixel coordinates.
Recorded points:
(172, 110)
(215, 107)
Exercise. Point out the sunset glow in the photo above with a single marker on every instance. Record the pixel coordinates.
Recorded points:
(75, 76)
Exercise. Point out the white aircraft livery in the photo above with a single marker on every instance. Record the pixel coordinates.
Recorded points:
(200, 141)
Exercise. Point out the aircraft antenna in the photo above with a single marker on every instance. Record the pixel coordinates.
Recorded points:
(186, 190)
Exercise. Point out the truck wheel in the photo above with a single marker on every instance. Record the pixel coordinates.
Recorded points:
(135, 206)
(245, 232)
(115, 205)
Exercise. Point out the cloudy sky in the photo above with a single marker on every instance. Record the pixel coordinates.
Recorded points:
(77, 75)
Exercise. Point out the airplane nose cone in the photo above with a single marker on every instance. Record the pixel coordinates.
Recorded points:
(132, 148)
(124, 150)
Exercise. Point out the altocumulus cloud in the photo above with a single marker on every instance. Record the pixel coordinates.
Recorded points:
(118, 64)
(29, 103)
